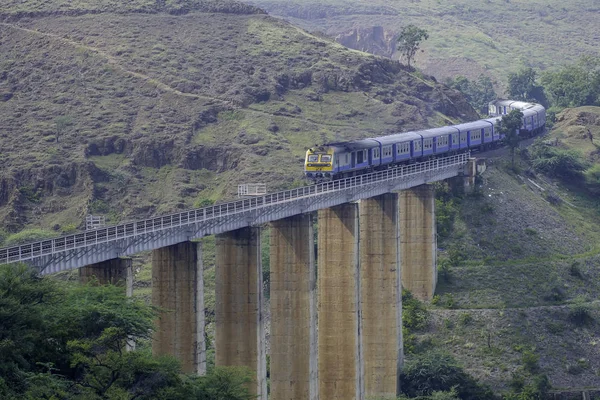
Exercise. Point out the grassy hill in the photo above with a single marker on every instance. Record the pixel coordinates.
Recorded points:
(526, 262)
(131, 109)
(467, 37)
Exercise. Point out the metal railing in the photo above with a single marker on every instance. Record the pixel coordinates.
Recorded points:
(33, 250)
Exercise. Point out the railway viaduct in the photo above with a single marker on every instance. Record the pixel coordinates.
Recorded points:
(376, 233)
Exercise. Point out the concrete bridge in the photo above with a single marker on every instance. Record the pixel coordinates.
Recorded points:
(367, 251)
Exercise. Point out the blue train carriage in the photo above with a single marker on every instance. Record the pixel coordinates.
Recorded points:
(399, 147)
(476, 134)
(443, 140)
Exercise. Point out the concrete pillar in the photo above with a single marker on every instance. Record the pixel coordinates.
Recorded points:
(381, 295)
(240, 335)
(418, 243)
(340, 355)
(118, 271)
(177, 289)
(293, 310)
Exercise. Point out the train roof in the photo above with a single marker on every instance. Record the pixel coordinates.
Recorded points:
(397, 138)
(355, 144)
(494, 120)
(481, 123)
(442, 130)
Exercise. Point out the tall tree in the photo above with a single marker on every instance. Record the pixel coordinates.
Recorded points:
(509, 126)
(409, 41)
(521, 84)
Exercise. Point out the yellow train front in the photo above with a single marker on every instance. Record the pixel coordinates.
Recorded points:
(318, 165)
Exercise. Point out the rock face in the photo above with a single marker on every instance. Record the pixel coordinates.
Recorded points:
(375, 40)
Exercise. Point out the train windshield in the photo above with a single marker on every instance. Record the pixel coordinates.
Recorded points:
(326, 158)
(313, 158)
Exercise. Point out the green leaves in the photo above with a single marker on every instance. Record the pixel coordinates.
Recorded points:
(478, 92)
(409, 41)
(68, 342)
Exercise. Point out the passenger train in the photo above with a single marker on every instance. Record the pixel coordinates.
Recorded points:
(337, 160)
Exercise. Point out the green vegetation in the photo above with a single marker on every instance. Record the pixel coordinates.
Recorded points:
(509, 127)
(27, 235)
(438, 371)
(479, 92)
(522, 86)
(554, 161)
(409, 40)
(68, 342)
(574, 85)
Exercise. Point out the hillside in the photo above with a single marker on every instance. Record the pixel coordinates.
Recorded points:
(466, 37)
(131, 109)
(527, 258)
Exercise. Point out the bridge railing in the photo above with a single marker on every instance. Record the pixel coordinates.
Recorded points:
(131, 229)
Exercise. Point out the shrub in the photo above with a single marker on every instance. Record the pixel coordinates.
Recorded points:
(575, 271)
(28, 235)
(580, 313)
(465, 319)
(566, 164)
(414, 314)
(556, 295)
(530, 361)
(438, 371)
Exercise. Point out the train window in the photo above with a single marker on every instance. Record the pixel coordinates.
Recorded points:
(387, 151)
(454, 139)
(326, 158)
(359, 157)
(313, 158)
(375, 153)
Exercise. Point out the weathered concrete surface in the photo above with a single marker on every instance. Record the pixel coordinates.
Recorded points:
(117, 271)
(381, 295)
(418, 244)
(340, 355)
(293, 310)
(240, 335)
(176, 271)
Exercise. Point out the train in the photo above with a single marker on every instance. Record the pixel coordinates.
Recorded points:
(338, 160)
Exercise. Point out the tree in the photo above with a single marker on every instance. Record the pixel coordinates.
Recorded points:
(509, 127)
(409, 41)
(67, 342)
(574, 85)
(478, 92)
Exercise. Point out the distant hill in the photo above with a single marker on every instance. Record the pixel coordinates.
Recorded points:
(131, 109)
(468, 37)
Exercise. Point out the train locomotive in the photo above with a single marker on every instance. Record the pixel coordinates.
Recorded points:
(337, 160)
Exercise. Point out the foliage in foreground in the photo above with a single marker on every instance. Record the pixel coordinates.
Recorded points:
(59, 342)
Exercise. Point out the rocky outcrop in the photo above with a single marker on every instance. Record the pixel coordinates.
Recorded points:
(375, 40)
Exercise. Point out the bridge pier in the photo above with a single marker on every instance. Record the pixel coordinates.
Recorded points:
(177, 287)
(418, 242)
(381, 295)
(240, 334)
(341, 367)
(293, 310)
(118, 271)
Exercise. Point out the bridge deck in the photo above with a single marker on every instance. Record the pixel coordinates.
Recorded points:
(80, 249)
